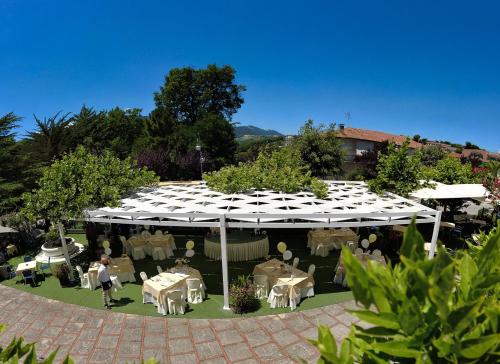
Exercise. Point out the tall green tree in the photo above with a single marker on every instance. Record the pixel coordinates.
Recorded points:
(432, 154)
(188, 94)
(398, 171)
(11, 184)
(82, 180)
(320, 149)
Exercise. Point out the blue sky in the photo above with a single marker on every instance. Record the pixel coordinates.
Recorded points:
(431, 68)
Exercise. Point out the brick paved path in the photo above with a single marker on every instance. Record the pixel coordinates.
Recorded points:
(98, 336)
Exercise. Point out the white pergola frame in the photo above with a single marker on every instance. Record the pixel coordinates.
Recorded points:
(148, 207)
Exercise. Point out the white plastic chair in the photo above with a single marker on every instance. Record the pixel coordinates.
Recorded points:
(84, 277)
(117, 284)
(311, 270)
(158, 268)
(295, 262)
(144, 276)
(158, 233)
(175, 302)
(158, 253)
(278, 296)
(138, 253)
(145, 233)
(195, 292)
(261, 286)
(322, 250)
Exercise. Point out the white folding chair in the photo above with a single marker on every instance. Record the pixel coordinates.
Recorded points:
(144, 276)
(84, 278)
(195, 291)
(117, 284)
(158, 233)
(278, 296)
(295, 262)
(124, 244)
(145, 233)
(261, 286)
(311, 270)
(175, 302)
(158, 253)
(158, 268)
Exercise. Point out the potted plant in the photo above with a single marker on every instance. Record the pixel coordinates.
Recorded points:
(62, 273)
(242, 296)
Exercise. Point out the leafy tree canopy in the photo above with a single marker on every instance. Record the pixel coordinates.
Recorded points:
(81, 180)
(431, 154)
(450, 171)
(320, 149)
(188, 94)
(398, 171)
(278, 170)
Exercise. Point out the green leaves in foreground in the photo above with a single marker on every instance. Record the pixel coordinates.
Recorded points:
(441, 310)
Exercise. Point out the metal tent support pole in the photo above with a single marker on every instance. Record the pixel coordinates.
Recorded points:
(65, 249)
(435, 234)
(223, 249)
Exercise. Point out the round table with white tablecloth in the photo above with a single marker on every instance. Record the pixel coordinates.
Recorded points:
(241, 246)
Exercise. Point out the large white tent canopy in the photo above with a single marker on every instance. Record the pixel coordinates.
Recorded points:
(349, 204)
(457, 191)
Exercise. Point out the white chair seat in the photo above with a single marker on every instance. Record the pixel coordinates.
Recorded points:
(158, 254)
(138, 253)
(278, 296)
(195, 291)
(175, 302)
(117, 284)
(261, 286)
(322, 250)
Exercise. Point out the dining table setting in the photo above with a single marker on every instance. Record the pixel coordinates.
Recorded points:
(148, 242)
(121, 267)
(363, 257)
(330, 238)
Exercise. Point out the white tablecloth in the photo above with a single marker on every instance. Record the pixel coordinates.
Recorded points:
(340, 276)
(148, 242)
(122, 267)
(238, 252)
(331, 238)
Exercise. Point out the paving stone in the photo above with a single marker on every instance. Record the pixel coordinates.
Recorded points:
(268, 352)
(339, 331)
(248, 361)
(134, 321)
(158, 341)
(237, 352)
(178, 331)
(130, 348)
(80, 359)
(202, 334)
(199, 323)
(102, 356)
(247, 325)
(65, 339)
(257, 337)
(302, 350)
(127, 360)
(161, 356)
(285, 337)
(155, 326)
(273, 324)
(220, 360)
(346, 319)
(73, 327)
(207, 350)
(229, 337)
(90, 334)
(113, 329)
(299, 323)
(107, 341)
(132, 334)
(183, 359)
(82, 347)
(324, 319)
(178, 346)
(220, 325)
(52, 331)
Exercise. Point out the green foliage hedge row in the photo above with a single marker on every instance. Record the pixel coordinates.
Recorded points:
(279, 170)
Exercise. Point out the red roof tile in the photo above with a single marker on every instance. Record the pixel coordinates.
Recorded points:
(375, 136)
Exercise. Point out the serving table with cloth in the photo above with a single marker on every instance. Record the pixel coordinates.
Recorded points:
(241, 246)
(11, 249)
(330, 238)
(121, 267)
(154, 290)
(21, 267)
(149, 242)
(300, 284)
(364, 258)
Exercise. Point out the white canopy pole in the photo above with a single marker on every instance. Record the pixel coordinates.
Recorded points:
(435, 234)
(223, 250)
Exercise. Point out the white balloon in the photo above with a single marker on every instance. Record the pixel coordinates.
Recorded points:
(365, 243)
(107, 251)
(358, 251)
(189, 253)
(287, 255)
(377, 253)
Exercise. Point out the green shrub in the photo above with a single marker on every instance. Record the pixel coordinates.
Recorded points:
(242, 296)
(440, 310)
(278, 170)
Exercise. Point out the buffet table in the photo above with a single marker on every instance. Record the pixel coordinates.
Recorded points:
(300, 284)
(148, 242)
(154, 290)
(241, 246)
(121, 267)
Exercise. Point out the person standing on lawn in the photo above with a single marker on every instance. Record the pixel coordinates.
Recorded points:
(105, 280)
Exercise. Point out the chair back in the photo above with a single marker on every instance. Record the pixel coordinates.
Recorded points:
(193, 283)
(80, 271)
(175, 295)
(260, 279)
(158, 232)
(145, 233)
(295, 262)
(123, 239)
(27, 258)
(158, 268)
(311, 270)
(144, 276)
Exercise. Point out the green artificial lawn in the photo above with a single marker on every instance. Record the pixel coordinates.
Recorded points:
(130, 297)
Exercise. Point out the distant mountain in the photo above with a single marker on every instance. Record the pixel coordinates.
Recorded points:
(250, 130)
